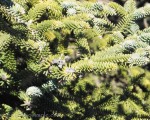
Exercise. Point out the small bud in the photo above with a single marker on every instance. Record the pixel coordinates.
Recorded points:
(70, 70)
(67, 58)
(33, 92)
(71, 11)
(4, 77)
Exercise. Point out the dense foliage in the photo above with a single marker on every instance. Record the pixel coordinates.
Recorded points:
(73, 60)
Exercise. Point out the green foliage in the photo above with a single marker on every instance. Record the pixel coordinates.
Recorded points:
(62, 59)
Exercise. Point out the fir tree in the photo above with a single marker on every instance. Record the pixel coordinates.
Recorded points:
(62, 59)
